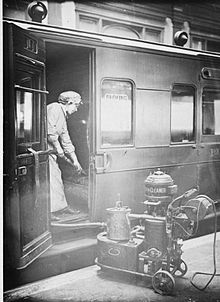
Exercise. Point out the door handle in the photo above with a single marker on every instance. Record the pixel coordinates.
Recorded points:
(22, 171)
(106, 162)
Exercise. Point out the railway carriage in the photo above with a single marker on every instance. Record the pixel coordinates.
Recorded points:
(146, 106)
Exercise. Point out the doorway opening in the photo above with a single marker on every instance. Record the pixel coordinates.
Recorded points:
(68, 68)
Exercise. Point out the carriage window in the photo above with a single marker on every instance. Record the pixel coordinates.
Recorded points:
(24, 115)
(28, 118)
(211, 112)
(116, 113)
(28, 111)
(182, 114)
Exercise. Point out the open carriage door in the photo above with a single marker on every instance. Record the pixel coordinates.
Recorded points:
(26, 181)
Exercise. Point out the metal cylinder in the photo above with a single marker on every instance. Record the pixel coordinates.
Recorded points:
(118, 223)
(155, 234)
(159, 191)
(159, 186)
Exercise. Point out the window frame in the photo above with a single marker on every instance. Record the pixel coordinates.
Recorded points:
(204, 39)
(139, 28)
(208, 137)
(118, 146)
(36, 74)
(192, 142)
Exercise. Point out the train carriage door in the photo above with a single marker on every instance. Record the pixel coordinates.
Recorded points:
(209, 147)
(115, 154)
(26, 191)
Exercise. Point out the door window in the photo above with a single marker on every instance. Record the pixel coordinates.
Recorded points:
(28, 107)
(116, 113)
(182, 114)
(211, 112)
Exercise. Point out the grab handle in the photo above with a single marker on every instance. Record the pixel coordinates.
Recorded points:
(36, 173)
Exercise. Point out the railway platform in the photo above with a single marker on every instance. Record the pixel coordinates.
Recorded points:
(93, 284)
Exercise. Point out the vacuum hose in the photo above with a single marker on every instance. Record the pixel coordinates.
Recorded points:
(79, 225)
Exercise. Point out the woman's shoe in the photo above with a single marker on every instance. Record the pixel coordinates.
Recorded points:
(54, 217)
(68, 210)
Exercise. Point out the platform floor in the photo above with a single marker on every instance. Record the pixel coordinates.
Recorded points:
(92, 284)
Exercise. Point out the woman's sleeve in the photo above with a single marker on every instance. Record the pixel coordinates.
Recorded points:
(66, 141)
(52, 132)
